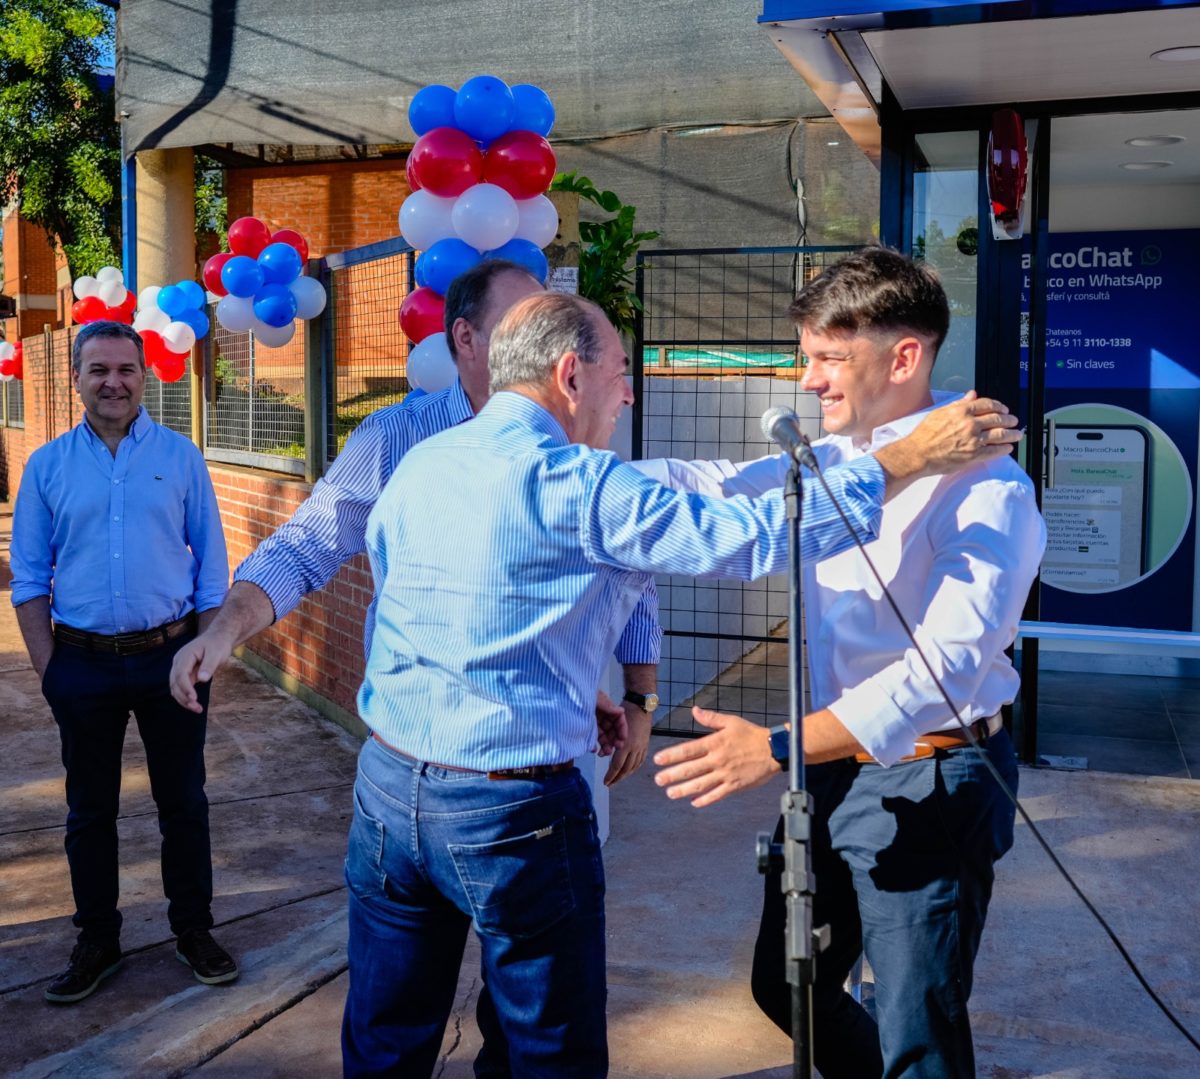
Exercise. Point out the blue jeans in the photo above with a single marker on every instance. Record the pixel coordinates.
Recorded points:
(433, 851)
(903, 859)
(91, 695)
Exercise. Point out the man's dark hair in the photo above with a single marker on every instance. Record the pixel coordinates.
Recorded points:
(467, 295)
(875, 290)
(105, 328)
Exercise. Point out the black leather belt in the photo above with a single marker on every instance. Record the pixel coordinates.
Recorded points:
(531, 772)
(126, 644)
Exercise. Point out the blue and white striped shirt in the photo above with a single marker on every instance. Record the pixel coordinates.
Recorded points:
(122, 543)
(330, 527)
(499, 598)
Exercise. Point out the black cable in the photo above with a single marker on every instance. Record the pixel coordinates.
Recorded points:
(1162, 1005)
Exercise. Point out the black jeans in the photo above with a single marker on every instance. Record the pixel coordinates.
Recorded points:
(91, 695)
(903, 860)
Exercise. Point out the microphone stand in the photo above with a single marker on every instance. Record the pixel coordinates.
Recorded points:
(793, 856)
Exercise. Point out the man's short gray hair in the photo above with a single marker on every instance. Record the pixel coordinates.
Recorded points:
(105, 328)
(536, 333)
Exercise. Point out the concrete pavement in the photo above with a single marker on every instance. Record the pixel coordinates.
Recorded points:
(1052, 997)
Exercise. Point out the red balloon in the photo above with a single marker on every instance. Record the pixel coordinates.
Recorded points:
(17, 365)
(7, 364)
(211, 274)
(89, 309)
(118, 314)
(413, 183)
(422, 313)
(154, 346)
(293, 239)
(445, 162)
(248, 236)
(170, 367)
(129, 304)
(521, 162)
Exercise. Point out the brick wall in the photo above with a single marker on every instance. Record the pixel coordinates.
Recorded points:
(320, 643)
(30, 277)
(335, 206)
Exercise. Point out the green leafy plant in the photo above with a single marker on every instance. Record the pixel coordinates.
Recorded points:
(59, 142)
(607, 250)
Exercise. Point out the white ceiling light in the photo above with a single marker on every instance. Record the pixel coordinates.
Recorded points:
(1178, 55)
(1155, 140)
(1145, 166)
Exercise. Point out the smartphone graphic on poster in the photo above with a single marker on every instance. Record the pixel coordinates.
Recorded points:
(1094, 502)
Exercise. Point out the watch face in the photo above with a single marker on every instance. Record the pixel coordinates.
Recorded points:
(651, 701)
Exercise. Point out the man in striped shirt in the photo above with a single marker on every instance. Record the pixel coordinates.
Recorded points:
(329, 528)
(480, 689)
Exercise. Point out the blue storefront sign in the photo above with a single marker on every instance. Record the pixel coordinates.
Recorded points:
(1123, 389)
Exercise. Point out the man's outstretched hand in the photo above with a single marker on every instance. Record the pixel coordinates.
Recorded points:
(197, 661)
(735, 757)
(611, 727)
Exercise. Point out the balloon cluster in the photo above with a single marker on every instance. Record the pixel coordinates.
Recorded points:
(12, 361)
(260, 284)
(171, 320)
(103, 297)
(478, 174)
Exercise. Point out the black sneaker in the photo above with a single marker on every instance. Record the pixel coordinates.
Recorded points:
(90, 964)
(211, 963)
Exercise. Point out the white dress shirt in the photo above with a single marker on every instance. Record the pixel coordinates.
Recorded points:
(958, 554)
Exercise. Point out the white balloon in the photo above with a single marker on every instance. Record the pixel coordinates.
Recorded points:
(151, 318)
(538, 220)
(425, 219)
(236, 313)
(485, 216)
(112, 293)
(179, 336)
(6, 378)
(430, 367)
(273, 336)
(85, 286)
(310, 296)
(111, 273)
(6, 351)
(148, 297)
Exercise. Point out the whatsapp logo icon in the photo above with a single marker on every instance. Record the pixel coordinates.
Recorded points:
(1151, 255)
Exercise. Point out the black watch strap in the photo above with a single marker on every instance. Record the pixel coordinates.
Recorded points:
(647, 702)
(780, 747)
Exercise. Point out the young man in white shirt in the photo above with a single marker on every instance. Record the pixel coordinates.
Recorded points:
(908, 821)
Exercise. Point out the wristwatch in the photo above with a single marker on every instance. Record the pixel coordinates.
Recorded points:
(780, 748)
(647, 702)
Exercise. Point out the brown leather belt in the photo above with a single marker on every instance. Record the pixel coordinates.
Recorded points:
(126, 644)
(531, 772)
(929, 744)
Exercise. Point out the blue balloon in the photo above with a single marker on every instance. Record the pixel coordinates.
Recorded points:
(523, 253)
(432, 106)
(484, 108)
(172, 301)
(444, 261)
(240, 276)
(415, 393)
(419, 273)
(535, 110)
(198, 321)
(194, 295)
(280, 264)
(274, 304)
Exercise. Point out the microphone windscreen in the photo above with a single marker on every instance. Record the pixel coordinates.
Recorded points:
(771, 418)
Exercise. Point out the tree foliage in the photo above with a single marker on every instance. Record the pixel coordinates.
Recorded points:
(608, 247)
(59, 140)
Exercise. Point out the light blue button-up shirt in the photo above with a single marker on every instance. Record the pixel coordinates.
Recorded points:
(122, 543)
(331, 526)
(500, 597)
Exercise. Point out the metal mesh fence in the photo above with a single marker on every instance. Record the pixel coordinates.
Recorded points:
(715, 351)
(363, 335)
(14, 403)
(257, 399)
(169, 403)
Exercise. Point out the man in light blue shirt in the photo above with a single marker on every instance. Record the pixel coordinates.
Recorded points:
(498, 602)
(117, 556)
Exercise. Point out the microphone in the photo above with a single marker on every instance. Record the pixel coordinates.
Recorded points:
(782, 426)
